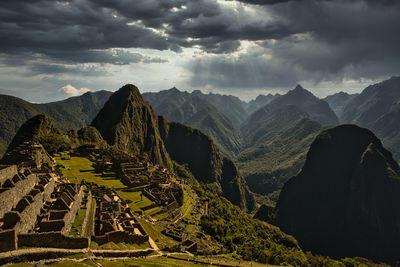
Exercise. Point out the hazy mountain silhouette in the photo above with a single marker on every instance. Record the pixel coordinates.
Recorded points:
(378, 108)
(338, 101)
(259, 102)
(316, 108)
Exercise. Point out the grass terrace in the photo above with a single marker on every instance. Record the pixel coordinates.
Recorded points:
(76, 228)
(75, 169)
(119, 246)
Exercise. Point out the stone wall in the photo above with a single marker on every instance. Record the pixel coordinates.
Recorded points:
(8, 240)
(7, 172)
(70, 216)
(9, 197)
(29, 214)
(120, 237)
(23, 217)
(52, 240)
(87, 214)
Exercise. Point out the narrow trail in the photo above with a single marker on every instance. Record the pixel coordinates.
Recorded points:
(154, 246)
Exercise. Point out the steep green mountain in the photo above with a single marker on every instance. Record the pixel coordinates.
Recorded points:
(377, 108)
(72, 113)
(338, 101)
(40, 129)
(208, 113)
(346, 199)
(128, 123)
(259, 102)
(278, 141)
(316, 108)
(216, 172)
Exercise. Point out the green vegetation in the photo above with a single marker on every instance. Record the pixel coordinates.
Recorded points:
(119, 246)
(88, 230)
(154, 232)
(249, 238)
(77, 168)
(72, 113)
(76, 228)
(278, 155)
(54, 142)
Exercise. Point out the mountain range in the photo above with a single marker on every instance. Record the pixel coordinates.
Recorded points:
(378, 109)
(343, 202)
(267, 138)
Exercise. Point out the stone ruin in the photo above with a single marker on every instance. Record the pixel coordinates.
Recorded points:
(38, 209)
(33, 201)
(23, 192)
(114, 219)
(177, 232)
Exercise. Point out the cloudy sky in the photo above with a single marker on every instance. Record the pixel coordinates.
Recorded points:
(52, 49)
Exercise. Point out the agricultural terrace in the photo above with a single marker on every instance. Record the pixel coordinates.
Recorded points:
(76, 168)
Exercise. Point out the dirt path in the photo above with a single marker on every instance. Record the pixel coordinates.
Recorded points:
(154, 246)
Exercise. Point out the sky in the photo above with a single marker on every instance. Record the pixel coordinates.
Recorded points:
(50, 50)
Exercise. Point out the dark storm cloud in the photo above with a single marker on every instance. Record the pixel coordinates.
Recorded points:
(321, 40)
(248, 71)
(304, 39)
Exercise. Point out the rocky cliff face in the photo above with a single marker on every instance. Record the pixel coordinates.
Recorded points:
(346, 199)
(128, 123)
(189, 146)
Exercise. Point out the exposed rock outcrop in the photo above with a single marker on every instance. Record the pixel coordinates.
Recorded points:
(190, 146)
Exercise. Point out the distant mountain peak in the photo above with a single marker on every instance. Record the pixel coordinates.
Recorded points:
(197, 92)
(127, 122)
(174, 89)
(299, 87)
(300, 90)
(130, 89)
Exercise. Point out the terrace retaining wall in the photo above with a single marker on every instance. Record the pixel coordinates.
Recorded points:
(8, 240)
(9, 197)
(52, 240)
(70, 216)
(120, 237)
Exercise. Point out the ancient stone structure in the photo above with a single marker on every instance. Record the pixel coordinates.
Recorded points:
(59, 213)
(115, 221)
(21, 200)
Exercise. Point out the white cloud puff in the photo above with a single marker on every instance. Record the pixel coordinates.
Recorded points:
(69, 90)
